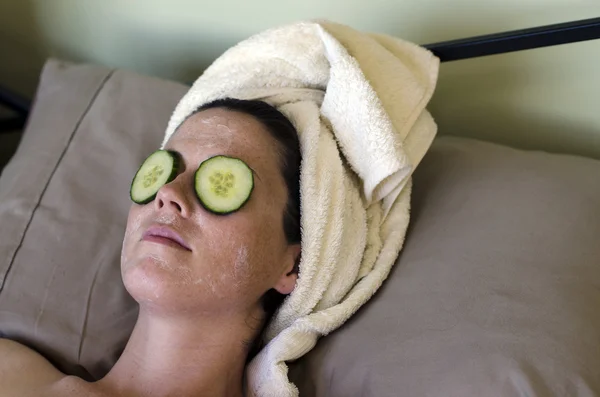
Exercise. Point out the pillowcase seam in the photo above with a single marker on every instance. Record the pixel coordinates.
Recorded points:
(62, 155)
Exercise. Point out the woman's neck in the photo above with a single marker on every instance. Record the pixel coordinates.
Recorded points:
(181, 356)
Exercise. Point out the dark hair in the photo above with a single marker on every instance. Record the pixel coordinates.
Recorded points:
(283, 131)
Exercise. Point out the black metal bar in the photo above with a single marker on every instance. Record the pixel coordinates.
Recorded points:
(14, 101)
(517, 40)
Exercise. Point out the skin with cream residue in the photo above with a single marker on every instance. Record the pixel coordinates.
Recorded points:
(221, 131)
(241, 260)
(133, 227)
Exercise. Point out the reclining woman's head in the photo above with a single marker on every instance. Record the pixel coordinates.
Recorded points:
(242, 263)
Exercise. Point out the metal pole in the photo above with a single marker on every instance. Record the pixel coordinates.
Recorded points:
(517, 40)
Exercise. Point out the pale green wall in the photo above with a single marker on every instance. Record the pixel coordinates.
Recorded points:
(546, 98)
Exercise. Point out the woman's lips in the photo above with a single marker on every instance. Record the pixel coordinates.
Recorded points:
(165, 235)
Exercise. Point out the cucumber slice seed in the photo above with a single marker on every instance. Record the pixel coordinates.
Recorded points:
(160, 168)
(223, 184)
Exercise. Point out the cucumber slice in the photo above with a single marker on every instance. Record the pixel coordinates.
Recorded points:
(223, 184)
(157, 170)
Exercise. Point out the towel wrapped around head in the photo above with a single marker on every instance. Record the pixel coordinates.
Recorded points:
(358, 103)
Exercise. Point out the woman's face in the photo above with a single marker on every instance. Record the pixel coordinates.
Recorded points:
(230, 260)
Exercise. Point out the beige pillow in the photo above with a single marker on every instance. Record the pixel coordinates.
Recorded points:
(64, 199)
(496, 292)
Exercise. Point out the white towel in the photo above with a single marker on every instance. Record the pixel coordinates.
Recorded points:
(358, 102)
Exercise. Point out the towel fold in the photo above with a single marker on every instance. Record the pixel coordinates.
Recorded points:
(358, 103)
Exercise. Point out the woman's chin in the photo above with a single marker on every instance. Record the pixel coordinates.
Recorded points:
(159, 286)
(151, 279)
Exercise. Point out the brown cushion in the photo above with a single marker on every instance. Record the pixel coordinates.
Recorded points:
(496, 292)
(64, 199)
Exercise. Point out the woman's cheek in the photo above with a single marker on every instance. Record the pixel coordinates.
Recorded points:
(134, 222)
(241, 265)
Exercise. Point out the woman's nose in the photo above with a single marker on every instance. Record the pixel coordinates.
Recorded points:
(172, 196)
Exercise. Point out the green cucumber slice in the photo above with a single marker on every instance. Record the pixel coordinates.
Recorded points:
(223, 184)
(157, 170)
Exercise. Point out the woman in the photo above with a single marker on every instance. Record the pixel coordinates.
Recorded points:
(206, 284)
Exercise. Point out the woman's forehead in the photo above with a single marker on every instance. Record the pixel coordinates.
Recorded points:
(222, 128)
(222, 132)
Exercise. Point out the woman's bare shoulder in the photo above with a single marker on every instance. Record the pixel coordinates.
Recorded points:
(23, 370)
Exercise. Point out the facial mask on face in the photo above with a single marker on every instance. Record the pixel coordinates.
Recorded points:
(241, 265)
(132, 227)
(222, 134)
(241, 260)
